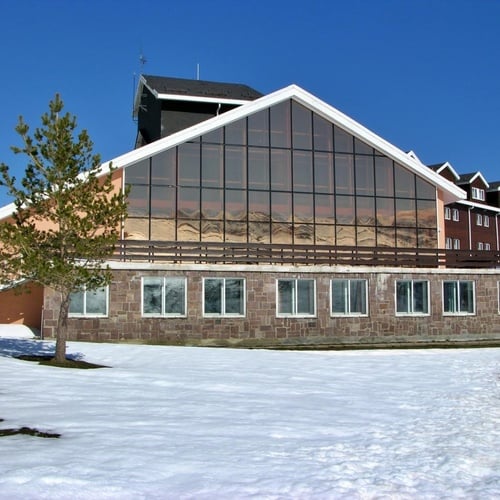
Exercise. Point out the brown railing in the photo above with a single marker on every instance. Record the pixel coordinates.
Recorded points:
(256, 253)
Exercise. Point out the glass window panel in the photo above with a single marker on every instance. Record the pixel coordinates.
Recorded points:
(137, 173)
(152, 295)
(303, 207)
(212, 166)
(235, 296)
(450, 296)
(163, 168)
(281, 171)
(305, 296)
(162, 201)
(175, 296)
(466, 297)
(384, 176)
(258, 168)
(236, 132)
(386, 237)
(339, 291)
(365, 182)
(365, 236)
(365, 211)
(188, 230)
(76, 303)
(281, 207)
(403, 296)
(212, 230)
(215, 136)
(236, 232)
(405, 213)
(163, 230)
(281, 233)
(357, 289)
(344, 209)
(325, 208)
(425, 190)
(344, 174)
(406, 238)
(426, 213)
(236, 204)
(258, 129)
(303, 234)
(96, 301)
(420, 297)
(236, 167)
(189, 164)
(259, 232)
(343, 141)
(136, 229)
(302, 171)
(188, 203)
(385, 212)
(212, 296)
(323, 134)
(258, 206)
(138, 201)
(280, 125)
(427, 238)
(301, 127)
(324, 234)
(286, 299)
(346, 235)
(362, 148)
(404, 182)
(323, 173)
(212, 204)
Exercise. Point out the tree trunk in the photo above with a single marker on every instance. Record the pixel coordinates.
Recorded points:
(62, 328)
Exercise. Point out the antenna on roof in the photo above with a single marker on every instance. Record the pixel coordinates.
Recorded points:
(142, 62)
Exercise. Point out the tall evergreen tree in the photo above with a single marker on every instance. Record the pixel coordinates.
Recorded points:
(67, 216)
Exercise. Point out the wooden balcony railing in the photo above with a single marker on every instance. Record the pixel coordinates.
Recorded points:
(256, 253)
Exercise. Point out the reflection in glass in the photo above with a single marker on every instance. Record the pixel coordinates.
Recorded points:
(258, 129)
(281, 171)
(385, 212)
(406, 213)
(189, 164)
(212, 204)
(236, 132)
(323, 134)
(346, 235)
(138, 201)
(138, 173)
(365, 183)
(303, 208)
(303, 234)
(280, 125)
(344, 209)
(302, 171)
(301, 126)
(162, 201)
(212, 166)
(258, 168)
(188, 203)
(343, 141)
(236, 205)
(236, 167)
(344, 174)
(163, 168)
(281, 207)
(188, 230)
(323, 172)
(426, 213)
(212, 230)
(404, 182)
(384, 176)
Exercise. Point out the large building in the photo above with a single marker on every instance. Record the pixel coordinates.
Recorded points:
(277, 219)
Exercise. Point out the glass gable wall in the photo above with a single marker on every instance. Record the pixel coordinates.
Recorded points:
(283, 175)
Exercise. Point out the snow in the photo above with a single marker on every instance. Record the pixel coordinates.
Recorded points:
(16, 332)
(200, 423)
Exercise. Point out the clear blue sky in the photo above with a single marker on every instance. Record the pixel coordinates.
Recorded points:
(423, 74)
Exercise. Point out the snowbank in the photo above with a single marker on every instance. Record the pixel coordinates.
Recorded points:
(16, 332)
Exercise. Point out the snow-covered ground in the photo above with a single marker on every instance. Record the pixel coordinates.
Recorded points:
(194, 423)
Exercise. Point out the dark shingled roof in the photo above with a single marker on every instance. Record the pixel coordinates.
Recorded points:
(494, 186)
(466, 178)
(436, 166)
(201, 88)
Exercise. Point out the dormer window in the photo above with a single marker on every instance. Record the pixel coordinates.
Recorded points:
(478, 194)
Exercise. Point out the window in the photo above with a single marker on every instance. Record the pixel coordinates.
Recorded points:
(487, 246)
(479, 220)
(89, 303)
(480, 246)
(448, 243)
(163, 296)
(477, 194)
(486, 221)
(296, 297)
(412, 297)
(458, 297)
(348, 297)
(456, 244)
(223, 297)
(455, 214)
(447, 213)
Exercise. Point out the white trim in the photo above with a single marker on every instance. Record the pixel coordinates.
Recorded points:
(7, 210)
(190, 98)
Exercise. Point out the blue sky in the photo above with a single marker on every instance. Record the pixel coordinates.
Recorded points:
(423, 74)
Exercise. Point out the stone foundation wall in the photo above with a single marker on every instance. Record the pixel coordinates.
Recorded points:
(260, 326)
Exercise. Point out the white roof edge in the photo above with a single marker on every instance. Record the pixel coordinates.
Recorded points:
(475, 176)
(7, 210)
(447, 164)
(473, 204)
(216, 100)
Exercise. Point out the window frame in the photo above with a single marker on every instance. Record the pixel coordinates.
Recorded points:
(486, 221)
(459, 312)
(223, 313)
(456, 244)
(447, 213)
(455, 215)
(294, 301)
(347, 298)
(478, 194)
(163, 313)
(84, 313)
(479, 219)
(411, 300)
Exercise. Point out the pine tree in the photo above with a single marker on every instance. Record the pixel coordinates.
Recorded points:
(67, 214)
